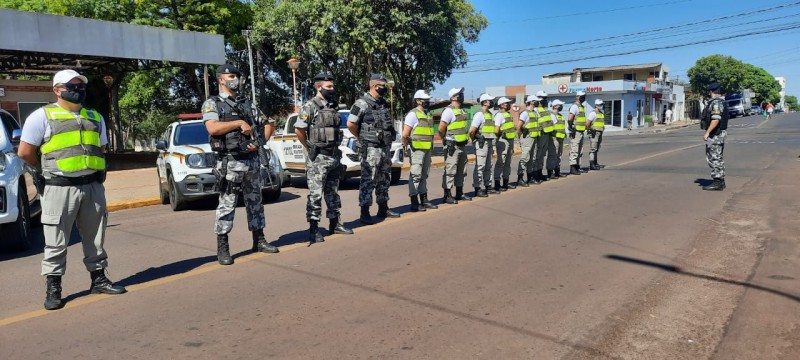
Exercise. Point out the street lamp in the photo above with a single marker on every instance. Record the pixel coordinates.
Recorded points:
(293, 64)
(247, 33)
(390, 83)
(109, 81)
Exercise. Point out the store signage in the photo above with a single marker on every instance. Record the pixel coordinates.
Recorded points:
(2, 92)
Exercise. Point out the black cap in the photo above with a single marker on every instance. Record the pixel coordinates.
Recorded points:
(714, 86)
(323, 77)
(377, 77)
(228, 69)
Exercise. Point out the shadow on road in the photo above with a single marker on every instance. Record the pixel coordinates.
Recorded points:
(677, 270)
(167, 270)
(703, 182)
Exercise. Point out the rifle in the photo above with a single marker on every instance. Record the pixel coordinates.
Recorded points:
(481, 139)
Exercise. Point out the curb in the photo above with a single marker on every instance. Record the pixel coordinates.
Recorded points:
(132, 204)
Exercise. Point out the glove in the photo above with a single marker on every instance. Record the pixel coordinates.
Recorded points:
(312, 152)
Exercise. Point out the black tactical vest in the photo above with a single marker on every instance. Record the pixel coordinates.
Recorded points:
(232, 143)
(377, 127)
(324, 128)
(722, 106)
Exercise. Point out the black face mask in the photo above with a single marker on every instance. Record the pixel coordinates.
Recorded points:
(73, 96)
(460, 98)
(382, 91)
(328, 95)
(426, 104)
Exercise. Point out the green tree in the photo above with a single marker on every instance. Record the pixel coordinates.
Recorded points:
(762, 83)
(415, 43)
(725, 70)
(791, 102)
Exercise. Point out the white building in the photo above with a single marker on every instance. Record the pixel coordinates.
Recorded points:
(782, 80)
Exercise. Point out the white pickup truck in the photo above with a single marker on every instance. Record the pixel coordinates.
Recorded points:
(19, 201)
(292, 154)
(185, 163)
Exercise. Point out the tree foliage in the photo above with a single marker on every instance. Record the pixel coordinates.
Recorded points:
(733, 75)
(415, 43)
(791, 102)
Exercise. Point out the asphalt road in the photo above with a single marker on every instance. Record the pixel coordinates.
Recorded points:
(634, 261)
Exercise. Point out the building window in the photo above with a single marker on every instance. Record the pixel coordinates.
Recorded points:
(654, 74)
(597, 78)
(631, 77)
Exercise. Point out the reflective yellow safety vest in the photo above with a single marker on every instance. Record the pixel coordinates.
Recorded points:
(422, 136)
(580, 119)
(74, 143)
(599, 123)
(561, 126)
(545, 122)
(458, 127)
(507, 129)
(487, 129)
(534, 130)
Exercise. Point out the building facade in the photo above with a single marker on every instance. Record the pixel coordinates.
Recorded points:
(22, 97)
(782, 81)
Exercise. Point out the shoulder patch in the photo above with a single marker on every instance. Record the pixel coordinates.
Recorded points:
(209, 106)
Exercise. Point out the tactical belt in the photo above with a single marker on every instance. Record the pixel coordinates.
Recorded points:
(239, 156)
(327, 151)
(73, 181)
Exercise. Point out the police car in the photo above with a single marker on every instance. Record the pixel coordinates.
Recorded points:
(185, 162)
(292, 154)
(19, 201)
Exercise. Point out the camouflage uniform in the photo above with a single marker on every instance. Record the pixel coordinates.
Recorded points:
(716, 110)
(376, 173)
(714, 155)
(376, 166)
(322, 173)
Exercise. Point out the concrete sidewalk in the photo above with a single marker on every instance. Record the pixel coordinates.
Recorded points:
(126, 189)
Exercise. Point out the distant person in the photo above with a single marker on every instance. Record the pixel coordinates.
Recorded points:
(630, 121)
(770, 110)
(668, 117)
(715, 124)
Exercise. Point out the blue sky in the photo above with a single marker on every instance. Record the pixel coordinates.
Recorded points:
(523, 24)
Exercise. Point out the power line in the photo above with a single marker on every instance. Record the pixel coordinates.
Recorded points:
(595, 12)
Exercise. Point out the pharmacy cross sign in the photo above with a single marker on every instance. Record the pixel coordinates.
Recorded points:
(562, 88)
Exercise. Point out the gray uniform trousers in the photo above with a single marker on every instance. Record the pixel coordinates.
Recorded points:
(576, 147)
(505, 151)
(63, 206)
(241, 174)
(554, 153)
(528, 157)
(482, 176)
(323, 176)
(714, 155)
(543, 145)
(420, 168)
(376, 174)
(595, 138)
(455, 167)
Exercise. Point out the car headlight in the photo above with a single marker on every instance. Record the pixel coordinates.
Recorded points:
(196, 161)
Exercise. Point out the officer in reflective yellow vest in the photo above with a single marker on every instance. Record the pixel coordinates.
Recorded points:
(506, 133)
(559, 134)
(545, 144)
(418, 130)
(71, 140)
(577, 126)
(453, 129)
(595, 122)
(531, 131)
(483, 135)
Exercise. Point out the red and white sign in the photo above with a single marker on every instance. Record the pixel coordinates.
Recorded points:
(562, 88)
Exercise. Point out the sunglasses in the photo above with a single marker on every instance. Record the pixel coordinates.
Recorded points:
(74, 87)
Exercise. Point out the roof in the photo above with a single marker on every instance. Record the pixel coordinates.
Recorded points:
(33, 43)
(607, 68)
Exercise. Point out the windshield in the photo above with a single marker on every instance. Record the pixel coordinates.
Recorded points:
(191, 134)
(734, 102)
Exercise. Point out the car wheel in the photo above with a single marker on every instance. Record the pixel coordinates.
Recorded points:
(176, 199)
(162, 195)
(396, 175)
(19, 232)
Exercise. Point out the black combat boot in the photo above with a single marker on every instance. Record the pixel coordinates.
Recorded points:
(557, 173)
(101, 284)
(52, 300)
(415, 204)
(597, 163)
(548, 176)
(448, 197)
(426, 204)
(717, 185)
(573, 170)
(366, 218)
(507, 184)
(385, 212)
(498, 187)
(460, 194)
(260, 243)
(491, 191)
(480, 192)
(336, 227)
(223, 251)
(521, 180)
(314, 236)
(593, 165)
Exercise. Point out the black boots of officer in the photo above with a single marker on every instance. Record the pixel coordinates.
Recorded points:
(260, 244)
(52, 300)
(314, 236)
(415, 204)
(498, 187)
(493, 190)
(507, 184)
(366, 218)
(385, 212)
(557, 173)
(448, 197)
(425, 203)
(521, 180)
(460, 194)
(101, 284)
(337, 227)
(574, 170)
(717, 185)
(481, 192)
(223, 250)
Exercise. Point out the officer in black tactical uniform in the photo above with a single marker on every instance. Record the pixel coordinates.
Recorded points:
(231, 119)
(371, 124)
(317, 128)
(715, 123)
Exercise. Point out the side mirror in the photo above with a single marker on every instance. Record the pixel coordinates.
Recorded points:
(16, 134)
(161, 145)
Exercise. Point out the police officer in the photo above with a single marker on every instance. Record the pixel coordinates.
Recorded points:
(577, 128)
(71, 140)
(418, 131)
(230, 121)
(506, 133)
(371, 124)
(317, 128)
(483, 134)
(556, 150)
(545, 145)
(596, 124)
(530, 130)
(715, 123)
(453, 128)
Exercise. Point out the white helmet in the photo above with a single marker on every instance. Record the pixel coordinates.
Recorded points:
(486, 97)
(455, 91)
(503, 100)
(598, 102)
(420, 94)
(580, 93)
(532, 98)
(555, 103)
(541, 94)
